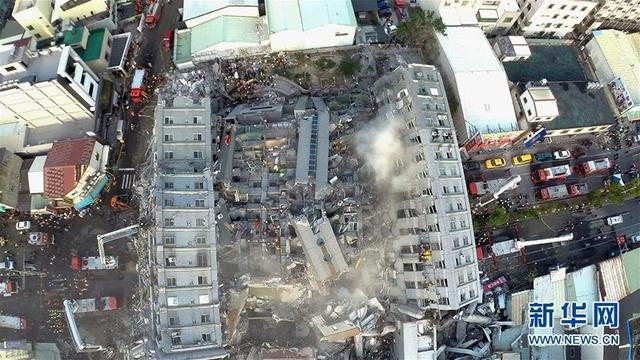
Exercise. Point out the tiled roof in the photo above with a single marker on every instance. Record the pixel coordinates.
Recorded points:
(64, 166)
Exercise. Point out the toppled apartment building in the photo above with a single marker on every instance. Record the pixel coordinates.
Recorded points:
(313, 147)
(434, 263)
(186, 308)
(321, 248)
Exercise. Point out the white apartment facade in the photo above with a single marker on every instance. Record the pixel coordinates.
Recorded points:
(435, 266)
(618, 14)
(495, 17)
(539, 104)
(35, 17)
(48, 87)
(552, 18)
(185, 305)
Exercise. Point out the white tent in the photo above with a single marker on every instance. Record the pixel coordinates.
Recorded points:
(36, 175)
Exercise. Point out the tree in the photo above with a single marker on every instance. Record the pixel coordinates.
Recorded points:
(594, 198)
(615, 194)
(498, 217)
(325, 64)
(349, 67)
(420, 32)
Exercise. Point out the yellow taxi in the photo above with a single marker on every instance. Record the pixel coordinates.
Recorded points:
(522, 159)
(495, 163)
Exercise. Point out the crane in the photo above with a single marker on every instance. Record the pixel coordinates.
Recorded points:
(520, 244)
(110, 262)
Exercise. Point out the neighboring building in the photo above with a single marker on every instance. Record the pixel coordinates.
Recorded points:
(321, 248)
(23, 350)
(185, 303)
(35, 17)
(10, 165)
(77, 10)
(539, 104)
(48, 87)
(93, 47)
(300, 24)
(479, 83)
(218, 29)
(552, 18)
(434, 261)
(618, 14)
(75, 172)
(312, 159)
(12, 32)
(120, 45)
(615, 57)
(494, 17)
(511, 48)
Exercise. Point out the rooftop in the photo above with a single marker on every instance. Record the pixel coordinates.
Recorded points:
(119, 48)
(234, 29)
(303, 15)
(195, 8)
(12, 31)
(74, 36)
(63, 166)
(94, 45)
(551, 62)
(573, 99)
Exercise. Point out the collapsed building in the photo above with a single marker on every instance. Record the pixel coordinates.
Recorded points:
(185, 306)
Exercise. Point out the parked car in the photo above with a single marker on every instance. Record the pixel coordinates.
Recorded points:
(543, 156)
(495, 163)
(23, 225)
(471, 166)
(40, 238)
(614, 220)
(635, 239)
(522, 159)
(561, 155)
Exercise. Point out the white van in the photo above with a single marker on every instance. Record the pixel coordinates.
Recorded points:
(120, 131)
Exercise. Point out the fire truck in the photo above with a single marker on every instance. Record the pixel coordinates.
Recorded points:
(595, 166)
(551, 173)
(167, 40)
(137, 92)
(562, 191)
(153, 14)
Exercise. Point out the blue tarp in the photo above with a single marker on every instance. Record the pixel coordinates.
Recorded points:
(93, 194)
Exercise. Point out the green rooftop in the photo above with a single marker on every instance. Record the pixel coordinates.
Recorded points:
(73, 36)
(632, 269)
(551, 62)
(94, 46)
(579, 107)
(183, 45)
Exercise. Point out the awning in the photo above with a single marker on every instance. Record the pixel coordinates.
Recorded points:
(93, 194)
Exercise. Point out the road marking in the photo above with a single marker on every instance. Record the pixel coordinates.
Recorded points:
(127, 181)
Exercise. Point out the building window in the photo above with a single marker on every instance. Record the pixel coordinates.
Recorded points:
(443, 301)
(202, 280)
(168, 154)
(91, 88)
(200, 222)
(10, 68)
(30, 28)
(199, 186)
(171, 282)
(197, 137)
(442, 283)
(529, 112)
(199, 202)
(201, 240)
(525, 100)
(196, 119)
(169, 222)
(197, 154)
(168, 120)
(204, 319)
(206, 337)
(168, 185)
(169, 240)
(168, 137)
(168, 202)
(508, 19)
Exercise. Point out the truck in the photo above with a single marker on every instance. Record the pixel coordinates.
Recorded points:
(137, 93)
(152, 16)
(551, 173)
(167, 40)
(595, 166)
(91, 263)
(562, 191)
(105, 303)
(13, 322)
(40, 238)
(8, 288)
